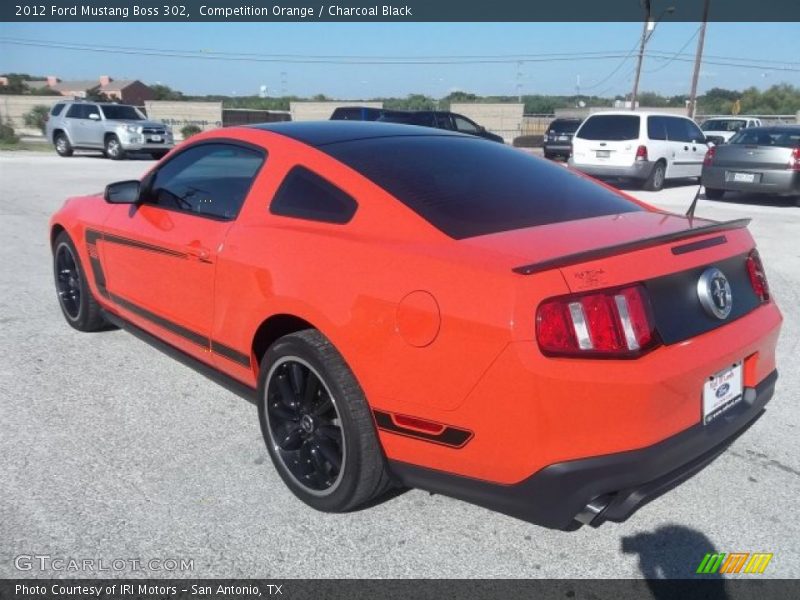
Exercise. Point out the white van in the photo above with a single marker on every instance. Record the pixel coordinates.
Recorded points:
(645, 146)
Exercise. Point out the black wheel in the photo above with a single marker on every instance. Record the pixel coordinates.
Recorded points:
(714, 194)
(158, 155)
(549, 155)
(113, 148)
(655, 181)
(77, 303)
(63, 147)
(317, 425)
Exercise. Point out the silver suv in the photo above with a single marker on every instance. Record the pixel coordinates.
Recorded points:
(113, 128)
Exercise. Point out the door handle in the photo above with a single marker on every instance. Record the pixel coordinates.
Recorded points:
(198, 252)
(686, 147)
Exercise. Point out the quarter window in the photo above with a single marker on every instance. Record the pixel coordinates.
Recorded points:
(463, 125)
(57, 109)
(210, 180)
(656, 128)
(306, 195)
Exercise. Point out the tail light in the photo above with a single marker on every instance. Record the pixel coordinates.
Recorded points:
(615, 323)
(758, 278)
(641, 153)
(709, 157)
(794, 161)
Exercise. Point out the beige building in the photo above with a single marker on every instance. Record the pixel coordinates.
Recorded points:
(128, 91)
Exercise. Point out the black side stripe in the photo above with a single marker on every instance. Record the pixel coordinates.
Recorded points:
(450, 436)
(115, 239)
(230, 353)
(691, 247)
(170, 326)
(196, 338)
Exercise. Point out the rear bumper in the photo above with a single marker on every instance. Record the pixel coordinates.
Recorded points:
(638, 170)
(561, 148)
(784, 182)
(602, 488)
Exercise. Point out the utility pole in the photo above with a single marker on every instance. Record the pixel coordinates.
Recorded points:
(645, 28)
(698, 61)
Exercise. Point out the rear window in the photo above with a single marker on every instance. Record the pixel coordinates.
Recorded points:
(610, 127)
(423, 119)
(782, 138)
(564, 126)
(467, 187)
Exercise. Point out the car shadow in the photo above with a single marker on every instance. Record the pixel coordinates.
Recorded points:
(674, 552)
(98, 154)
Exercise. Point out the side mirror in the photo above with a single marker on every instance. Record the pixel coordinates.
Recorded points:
(123, 192)
(94, 116)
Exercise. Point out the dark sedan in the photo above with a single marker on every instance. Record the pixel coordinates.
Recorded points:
(761, 160)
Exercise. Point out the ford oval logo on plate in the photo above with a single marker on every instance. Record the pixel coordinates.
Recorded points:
(722, 390)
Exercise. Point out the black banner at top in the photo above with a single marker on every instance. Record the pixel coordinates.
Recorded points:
(393, 10)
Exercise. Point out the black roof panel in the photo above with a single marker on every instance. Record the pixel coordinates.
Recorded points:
(321, 133)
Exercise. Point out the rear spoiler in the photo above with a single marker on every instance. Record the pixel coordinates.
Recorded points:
(606, 251)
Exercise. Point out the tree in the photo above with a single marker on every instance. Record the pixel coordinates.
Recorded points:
(36, 118)
(164, 92)
(189, 130)
(95, 95)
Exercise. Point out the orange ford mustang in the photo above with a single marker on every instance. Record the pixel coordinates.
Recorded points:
(416, 307)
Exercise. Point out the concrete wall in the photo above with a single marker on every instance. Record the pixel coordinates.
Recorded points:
(504, 119)
(321, 111)
(206, 115)
(14, 107)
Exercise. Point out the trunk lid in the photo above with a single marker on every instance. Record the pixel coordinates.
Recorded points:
(747, 156)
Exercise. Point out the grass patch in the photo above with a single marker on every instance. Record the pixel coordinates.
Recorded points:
(20, 145)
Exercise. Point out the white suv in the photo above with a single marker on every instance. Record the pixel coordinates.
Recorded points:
(644, 146)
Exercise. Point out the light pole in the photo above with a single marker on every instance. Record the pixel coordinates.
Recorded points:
(698, 60)
(647, 31)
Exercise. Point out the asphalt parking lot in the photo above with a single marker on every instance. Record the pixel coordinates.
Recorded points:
(110, 449)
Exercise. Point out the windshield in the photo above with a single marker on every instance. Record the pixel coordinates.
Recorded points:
(120, 112)
(780, 137)
(610, 127)
(467, 187)
(564, 126)
(723, 125)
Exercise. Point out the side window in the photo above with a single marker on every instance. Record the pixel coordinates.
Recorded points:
(76, 111)
(91, 109)
(677, 130)
(443, 121)
(464, 125)
(56, 110)
(693, 131)
(656, 128)
(306, 195)
(210, 180)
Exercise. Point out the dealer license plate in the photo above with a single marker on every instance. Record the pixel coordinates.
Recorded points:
(721, 392)
(603, 153)
(744, 177)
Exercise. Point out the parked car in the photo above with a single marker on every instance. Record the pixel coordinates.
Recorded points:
(356, 113)
(411, 305)
(762, 160)
(437, 119)
(115, 129)
(647, 147)
(558, 138)
(719, 130)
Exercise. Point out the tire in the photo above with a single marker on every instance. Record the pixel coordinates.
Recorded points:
(78, 305)
(113, 148)
(158, 155)
(714, 194)
(655, 181)
(63, 147)
(307, 435)
(549, 155)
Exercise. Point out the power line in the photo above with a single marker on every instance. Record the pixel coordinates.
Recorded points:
(619, 66)
(674, 56)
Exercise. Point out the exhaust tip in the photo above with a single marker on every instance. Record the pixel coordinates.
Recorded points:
(591, 513)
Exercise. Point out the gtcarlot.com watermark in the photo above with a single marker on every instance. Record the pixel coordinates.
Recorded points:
(68, 564)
